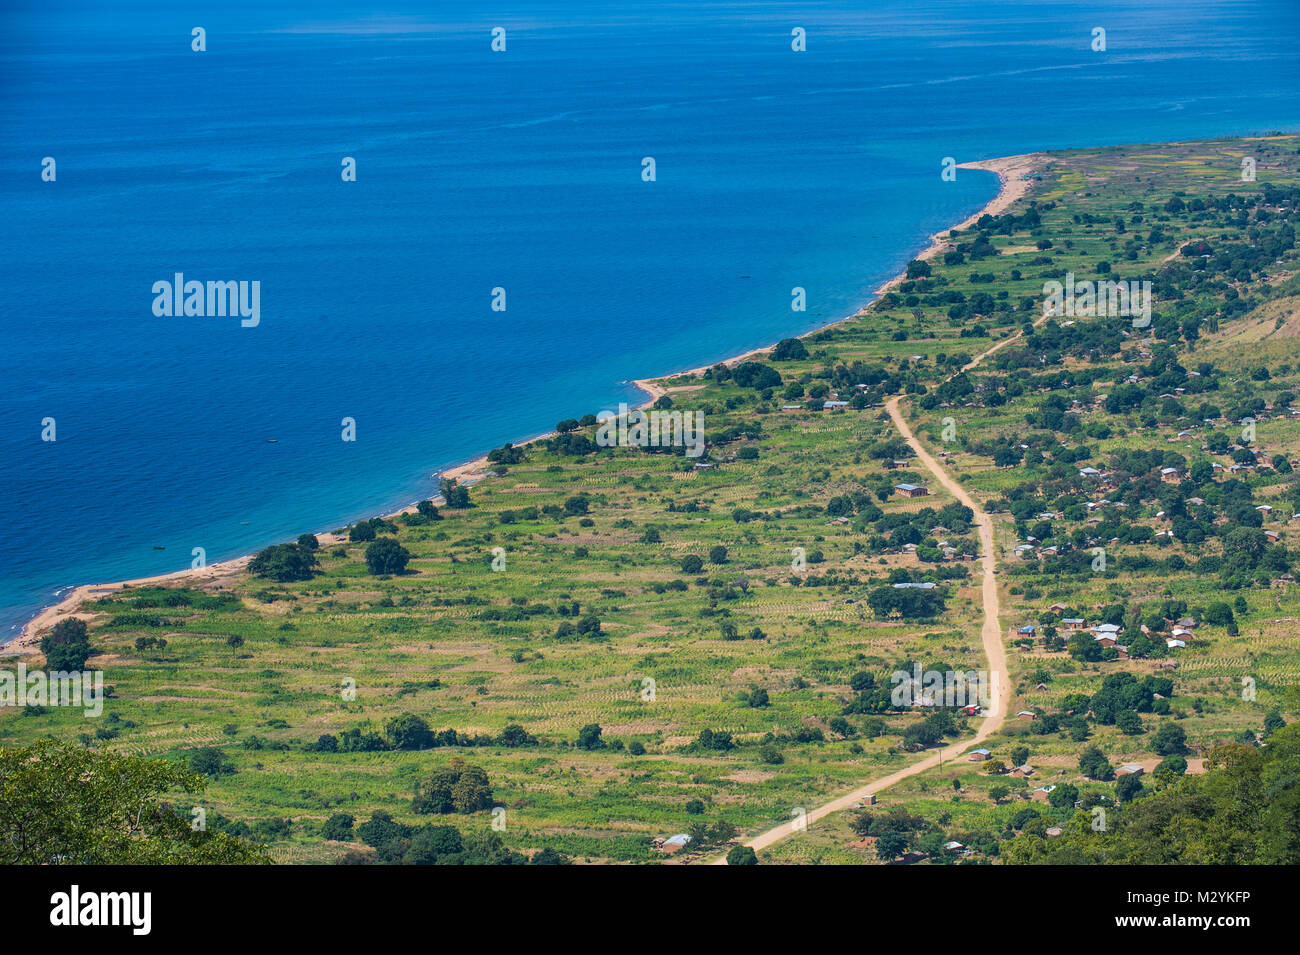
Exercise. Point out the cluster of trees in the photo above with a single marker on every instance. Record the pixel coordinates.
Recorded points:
(455, 494)
(426, 512)
(748, 374)
(911, 603)
(587, 627)
(285, 562)
(457, 788)
(410, 732)
(897, 832)
(1245, 810)
(398, 844)
(61, 804)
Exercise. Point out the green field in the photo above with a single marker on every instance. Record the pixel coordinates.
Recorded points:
(593, 601)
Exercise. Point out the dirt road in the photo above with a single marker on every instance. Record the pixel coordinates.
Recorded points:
(990, 635)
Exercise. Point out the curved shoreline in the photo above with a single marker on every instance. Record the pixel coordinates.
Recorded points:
(1011, 189)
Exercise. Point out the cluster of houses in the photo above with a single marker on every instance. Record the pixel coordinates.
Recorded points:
(1110, 634)
(830, 403)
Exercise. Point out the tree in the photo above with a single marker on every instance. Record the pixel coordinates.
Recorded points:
(386, 556)
(692, 564)
(380, 829)
(471, 793)
(360, 533)
(1063, 796)
(589, 737)
(284, 562)
(1094, 764)
(1128, 788)
(67, 646)
(408, 732)
(61, 804)
(432, 844)
(890, 845)
(756, 375)
(1128, 722)
(741, 855)
(428, 511)
(1170, 740)
(789, 349)
(515, 736)
(456, 788)
(453, 493)
(717, 554)
(338, 827)
(210, 761)
(308, 543)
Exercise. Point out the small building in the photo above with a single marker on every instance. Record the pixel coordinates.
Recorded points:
(1175, 644)
(1129, 769)
(1026, 715)
(1170, 475)
(911, 490)
(978, 755)
(1042, 793)
(673, 843)
(1027, 631)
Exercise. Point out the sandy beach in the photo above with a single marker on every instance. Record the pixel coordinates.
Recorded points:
(1009, 170)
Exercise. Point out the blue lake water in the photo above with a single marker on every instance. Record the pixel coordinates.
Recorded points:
(478, 169)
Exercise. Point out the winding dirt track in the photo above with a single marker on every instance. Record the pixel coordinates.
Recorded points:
(990, 634)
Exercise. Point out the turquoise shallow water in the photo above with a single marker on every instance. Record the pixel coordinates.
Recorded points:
(479, 170)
